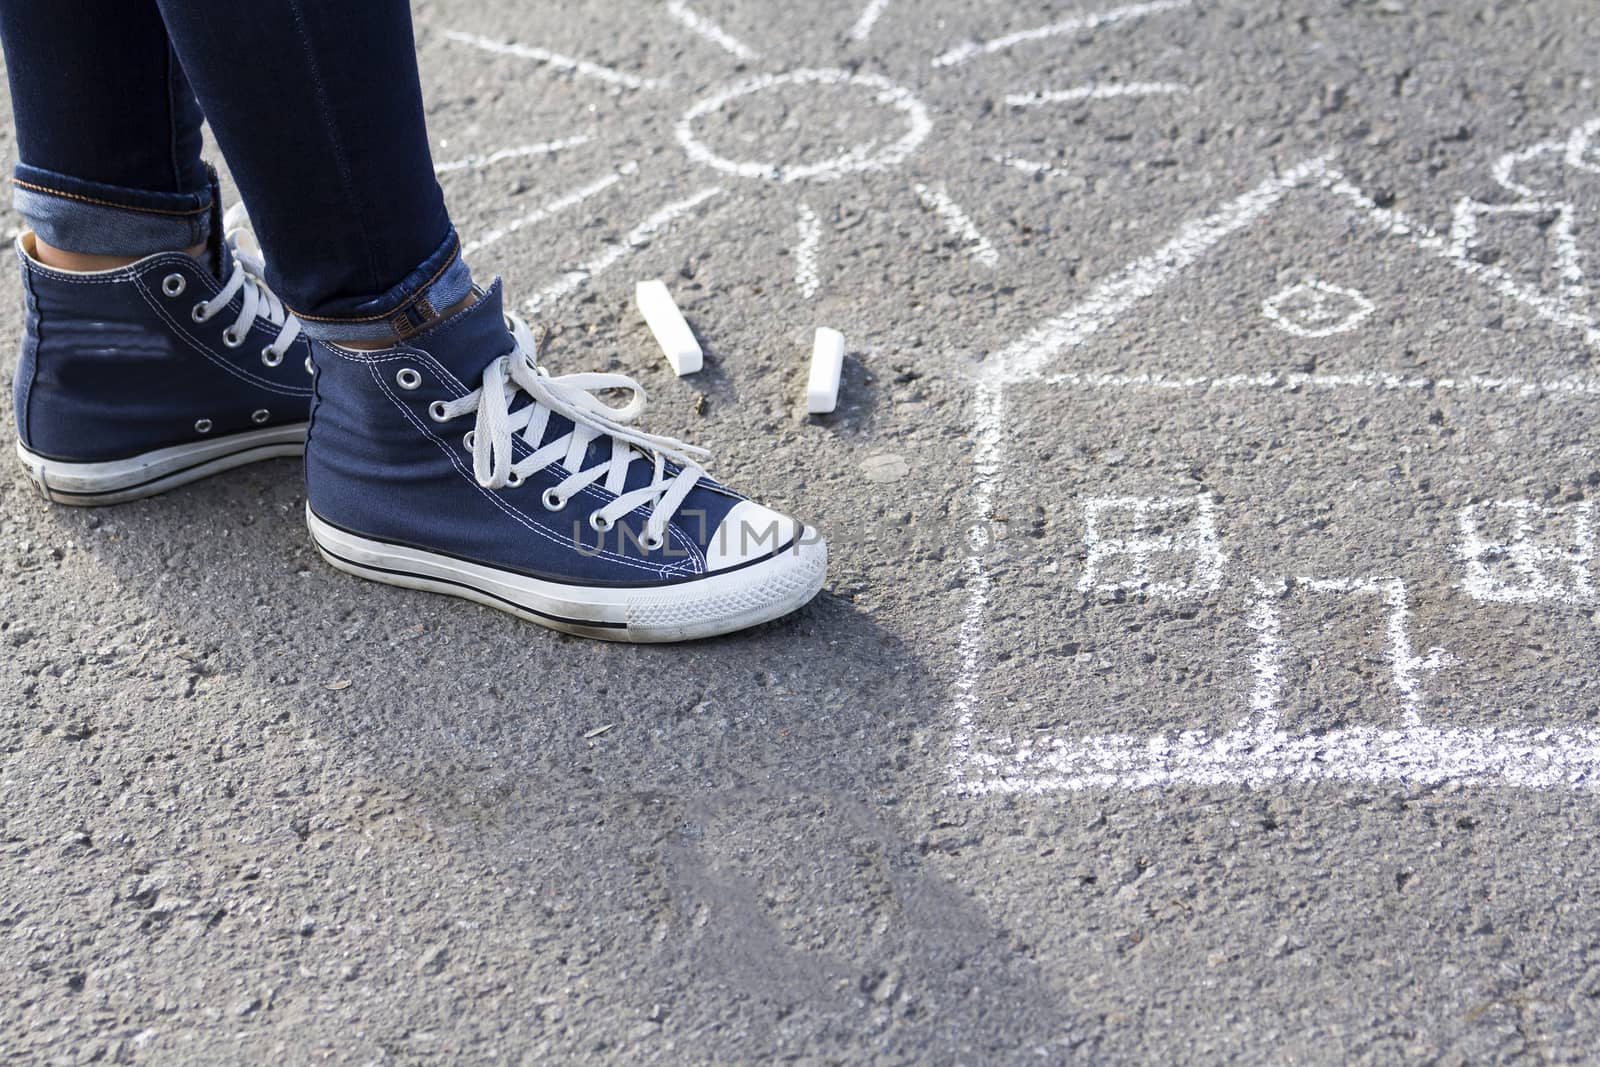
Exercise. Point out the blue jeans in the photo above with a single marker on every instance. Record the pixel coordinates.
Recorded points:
(317, 108)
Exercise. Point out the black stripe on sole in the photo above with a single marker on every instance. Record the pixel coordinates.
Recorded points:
(271, 452)
(463, 585)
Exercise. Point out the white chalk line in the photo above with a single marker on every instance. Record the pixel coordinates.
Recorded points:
(1574, 152)
(869, 18)
(1030, 167)
(562, 63)
(636, 239)
(1097, 91)
(1267, 664)
(1419, 755)
(973, 49)
(1026, 358)
(553, 208)
(1496, 278)
(704, 27)
(987, 460)
(1563, 227)
(1568, 257)
(500, 155)
(959, 224)
(1571, 388)
(805, 252)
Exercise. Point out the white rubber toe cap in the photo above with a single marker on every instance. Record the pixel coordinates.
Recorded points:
(750, 531)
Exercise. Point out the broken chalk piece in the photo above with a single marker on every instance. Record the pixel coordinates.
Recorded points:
(827, 361)
(667, 323)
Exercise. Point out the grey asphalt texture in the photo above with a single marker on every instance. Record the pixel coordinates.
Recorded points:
(254, 810)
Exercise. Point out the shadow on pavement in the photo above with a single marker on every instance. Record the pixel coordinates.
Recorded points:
(723, 842)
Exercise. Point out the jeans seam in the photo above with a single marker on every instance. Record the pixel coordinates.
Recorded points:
(108, 203)
(172, 122)
(342, 163)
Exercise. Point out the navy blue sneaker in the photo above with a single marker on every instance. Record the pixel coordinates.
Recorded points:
(452, 462)
(136, 380)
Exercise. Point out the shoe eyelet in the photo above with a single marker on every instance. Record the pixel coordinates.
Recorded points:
(553, 501)
(202, 426)
(198, 313)
(653, 542)
(437, 413)
(599, 525)
(271, 356)
(513, 480)
(231, 338)
(260, 415)
(470, 440)
(174, 284)
(406, 378)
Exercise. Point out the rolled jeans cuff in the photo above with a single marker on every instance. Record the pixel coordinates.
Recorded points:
(110, 220)
(434, 287)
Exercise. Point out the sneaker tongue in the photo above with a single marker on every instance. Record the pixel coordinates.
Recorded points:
(470, 340)
(222, 257)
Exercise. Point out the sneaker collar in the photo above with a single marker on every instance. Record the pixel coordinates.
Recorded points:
(469, 340)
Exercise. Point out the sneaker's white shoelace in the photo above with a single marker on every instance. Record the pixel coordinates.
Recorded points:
(572, 396)
(249, 277)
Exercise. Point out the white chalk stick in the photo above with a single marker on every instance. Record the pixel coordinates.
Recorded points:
(667, 323)
(827, 361)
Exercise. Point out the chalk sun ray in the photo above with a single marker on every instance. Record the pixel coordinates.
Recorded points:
(1096, 91)
(805, 252)
(555, 207)
(560, 62)
(703, 27)
(958, 224)
(869, 18)
(488, 159)
(636, 239)
(973, 49)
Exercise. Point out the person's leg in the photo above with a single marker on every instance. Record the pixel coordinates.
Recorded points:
(317, 107)
(440, 456)
(141, 365)
(108, 132)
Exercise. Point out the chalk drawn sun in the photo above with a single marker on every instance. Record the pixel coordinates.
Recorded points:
(809, 129)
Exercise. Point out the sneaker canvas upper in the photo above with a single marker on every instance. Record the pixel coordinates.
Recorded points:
(381, 463)
(118, 363)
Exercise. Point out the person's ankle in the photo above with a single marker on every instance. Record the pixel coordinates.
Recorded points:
(64, 259)
(375, 346)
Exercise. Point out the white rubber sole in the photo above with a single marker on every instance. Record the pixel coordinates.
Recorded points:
(703, 607)
(119, 480)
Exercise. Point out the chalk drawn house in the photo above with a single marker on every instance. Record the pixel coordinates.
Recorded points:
(1212, 604)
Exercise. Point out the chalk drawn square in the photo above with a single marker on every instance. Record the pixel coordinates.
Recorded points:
(1524, 552)
(1162, 547)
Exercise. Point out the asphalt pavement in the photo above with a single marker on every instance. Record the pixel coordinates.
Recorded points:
(1206, 668)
